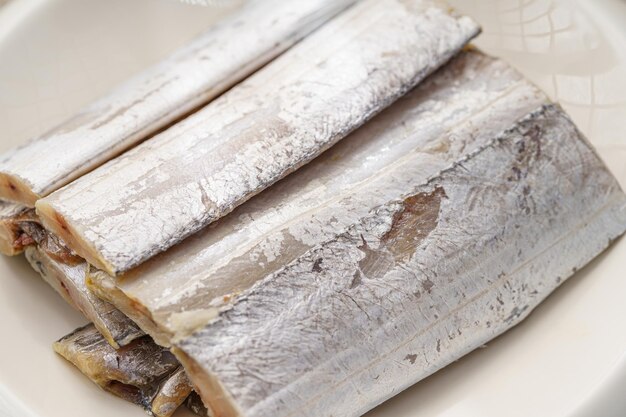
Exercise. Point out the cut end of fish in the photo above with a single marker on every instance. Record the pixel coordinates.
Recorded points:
(56, 223)
(103, 286)
(12, 188)
(69, 282)
(214, 395)
(142, 372)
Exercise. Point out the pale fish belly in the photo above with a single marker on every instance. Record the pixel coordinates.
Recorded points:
(302, 103)
(69, 281)
(141, 372)
(189, 78)
(417, 283)
(460, 108)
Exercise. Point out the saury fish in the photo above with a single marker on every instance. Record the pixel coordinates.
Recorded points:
(189, 78)
(456, 110)
(302, 103)
(416, 283)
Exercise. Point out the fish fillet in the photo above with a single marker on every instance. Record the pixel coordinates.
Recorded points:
(69, 281)
(142, 372)
(456, 110)
(302, 103)
(191, 77)
(415, 284)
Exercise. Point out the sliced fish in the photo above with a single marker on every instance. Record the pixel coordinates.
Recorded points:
(458, 109)
(69, 281)
(141, 372)
(178, 182)
(189, 78)
(417, 283)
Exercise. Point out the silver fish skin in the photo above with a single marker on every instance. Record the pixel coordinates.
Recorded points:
(456, 110)
(162, 94)
(9, 232)
(141, 372)
(178, 182)
(417, 283)
(69, 281)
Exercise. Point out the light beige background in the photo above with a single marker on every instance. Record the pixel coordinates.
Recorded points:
(567, 359)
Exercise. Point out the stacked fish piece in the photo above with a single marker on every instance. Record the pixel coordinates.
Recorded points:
(371, 205)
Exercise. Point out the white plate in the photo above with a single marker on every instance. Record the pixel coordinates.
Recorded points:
(568, 359)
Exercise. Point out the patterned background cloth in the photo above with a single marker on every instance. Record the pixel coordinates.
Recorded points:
(559, 45)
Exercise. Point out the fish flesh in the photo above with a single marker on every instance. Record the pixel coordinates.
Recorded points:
(302, 103)
(69, 281)
(161, 95)
(141, 372)
(450, 114)
(9, 232)
(415, 284)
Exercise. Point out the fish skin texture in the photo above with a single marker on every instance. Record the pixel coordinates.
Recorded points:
(191, 77)
(456, 110)
(417, 283)
(178, 182)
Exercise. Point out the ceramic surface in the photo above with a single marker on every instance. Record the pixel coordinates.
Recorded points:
(568, 359)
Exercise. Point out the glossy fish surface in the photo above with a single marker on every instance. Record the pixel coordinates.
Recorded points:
(456, 110)
(282, 117)
(416, 283)
(161, 95)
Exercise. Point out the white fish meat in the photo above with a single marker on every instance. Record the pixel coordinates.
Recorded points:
(415, 284)
(142, 372)
(69, 281)
(456, 110)
(178, 182)
(189, 78)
